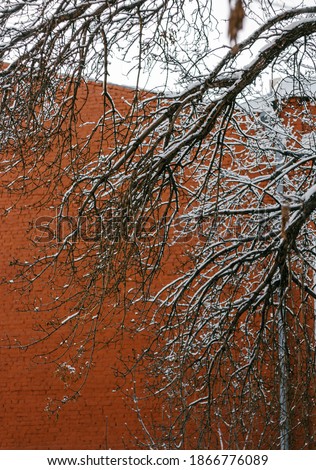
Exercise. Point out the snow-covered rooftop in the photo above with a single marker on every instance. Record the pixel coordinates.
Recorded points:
(282, 88)
(292, 86)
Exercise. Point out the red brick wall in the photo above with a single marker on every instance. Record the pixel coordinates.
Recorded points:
(99, 419)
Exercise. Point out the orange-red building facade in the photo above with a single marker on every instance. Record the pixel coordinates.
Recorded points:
(100, 418)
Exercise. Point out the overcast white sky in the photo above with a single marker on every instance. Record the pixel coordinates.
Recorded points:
(119, 70)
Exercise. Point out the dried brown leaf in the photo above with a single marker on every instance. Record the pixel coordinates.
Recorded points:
(236, 18)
